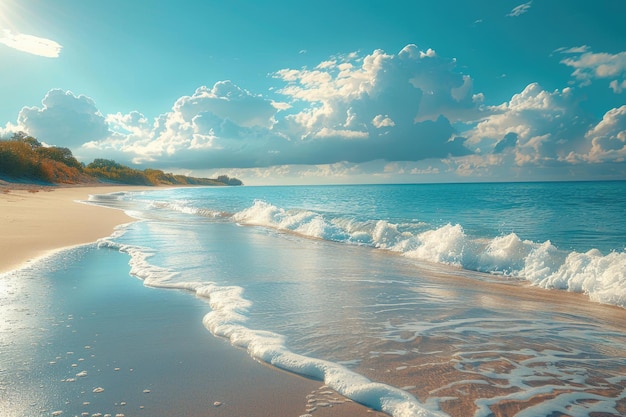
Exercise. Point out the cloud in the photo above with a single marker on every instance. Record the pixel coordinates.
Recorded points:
(534, 128)
(228, 102)
(589, 66)
(381, 121)
(532, 112)
(617, 86)
(412, 113)
(30, 44)
(349, 108)
(64, 120)
(508, 141)
(544, 131)
(520, 10)
(607, 139)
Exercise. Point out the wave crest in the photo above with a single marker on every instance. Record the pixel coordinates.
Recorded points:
(601, 277)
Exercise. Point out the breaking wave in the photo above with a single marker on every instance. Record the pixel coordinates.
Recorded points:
(601, 276)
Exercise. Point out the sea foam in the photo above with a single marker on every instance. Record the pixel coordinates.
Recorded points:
(228, 319)
(601, 277)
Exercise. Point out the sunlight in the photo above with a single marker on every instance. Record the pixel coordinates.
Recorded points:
(13, 38)
(4, 14)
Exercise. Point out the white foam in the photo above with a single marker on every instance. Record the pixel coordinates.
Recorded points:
(601, 277)
(228, 319)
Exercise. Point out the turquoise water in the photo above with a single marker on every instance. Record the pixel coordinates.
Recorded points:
(337, 282)
(417, 300)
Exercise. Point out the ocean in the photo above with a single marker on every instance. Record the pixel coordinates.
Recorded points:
(495, 299)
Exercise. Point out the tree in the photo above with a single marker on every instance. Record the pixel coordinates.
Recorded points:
(29, 140)
(225, 179)
(63, 155)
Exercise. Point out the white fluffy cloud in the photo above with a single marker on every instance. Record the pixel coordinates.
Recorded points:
(64, 120)
(537, 125)
(542, 129)
(351, 108)
(410, 113)
(607, 139)
(227, 101)
(589, 66)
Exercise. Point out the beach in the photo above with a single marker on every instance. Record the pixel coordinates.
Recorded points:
(35, 221)
(103, 343)
(181, 313)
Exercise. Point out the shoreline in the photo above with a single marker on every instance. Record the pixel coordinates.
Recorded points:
(37, 222)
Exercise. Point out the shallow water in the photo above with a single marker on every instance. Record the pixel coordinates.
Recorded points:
(78, 336)
(410, 299)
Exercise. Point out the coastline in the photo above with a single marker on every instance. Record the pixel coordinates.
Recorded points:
(37, 221)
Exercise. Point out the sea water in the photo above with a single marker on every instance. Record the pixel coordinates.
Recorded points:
(363, 286)
(417, 300)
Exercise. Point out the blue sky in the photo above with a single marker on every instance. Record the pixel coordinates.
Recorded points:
(284, 92)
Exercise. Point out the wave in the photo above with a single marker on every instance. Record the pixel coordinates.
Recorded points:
(601, 277)
(183, 206)
(228, 319)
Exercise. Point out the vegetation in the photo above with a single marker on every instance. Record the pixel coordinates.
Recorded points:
(25, 158)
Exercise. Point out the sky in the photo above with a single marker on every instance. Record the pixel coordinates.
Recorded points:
(341, 91)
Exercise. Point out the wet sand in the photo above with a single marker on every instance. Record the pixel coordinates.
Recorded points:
(73, 341)
(465, 368)
(164, 362)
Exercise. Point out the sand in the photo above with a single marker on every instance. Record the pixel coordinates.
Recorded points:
(37, 221)
(197, 374)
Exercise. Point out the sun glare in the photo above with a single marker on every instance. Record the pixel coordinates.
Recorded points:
(3, 7)
(6, 11)
(12, 35)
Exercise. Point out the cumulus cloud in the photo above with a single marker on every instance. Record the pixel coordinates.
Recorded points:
(537, 125)
(408, 93)
(350, 108)
(64, 120)
(228, 102)
(30, 44)
(607, 139)
(353, 115)
(381, 121)
(543, 130)
(520, 10)
(508, 141)
(589, 65)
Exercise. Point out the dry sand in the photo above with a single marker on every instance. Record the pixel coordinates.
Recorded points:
(36, 221)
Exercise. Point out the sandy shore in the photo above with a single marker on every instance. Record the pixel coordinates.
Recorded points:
(36, 221)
